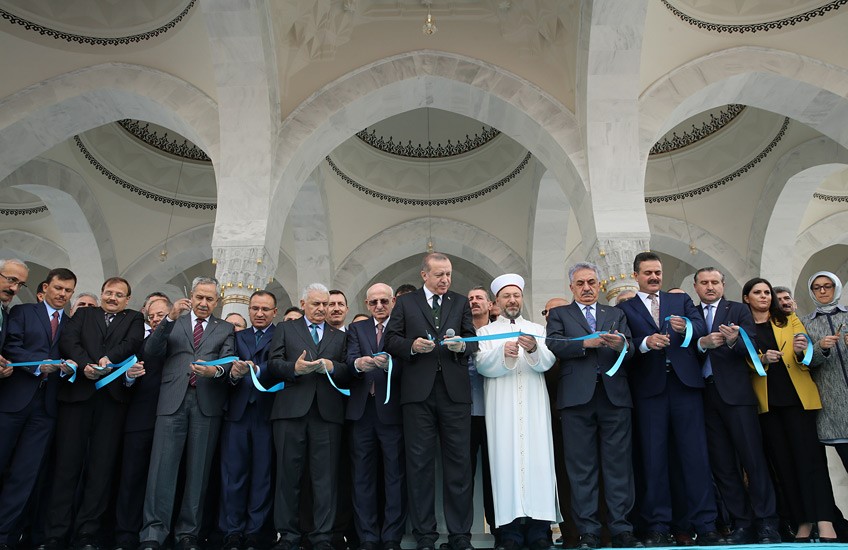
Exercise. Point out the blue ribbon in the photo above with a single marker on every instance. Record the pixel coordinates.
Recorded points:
(73, 377)
(752, 352)
(808, 353)
(341, 390)
(389, 381)
(119, 369)
(256, 383)
(596, 334)
(688, 336)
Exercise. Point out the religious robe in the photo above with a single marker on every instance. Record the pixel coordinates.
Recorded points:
(518, 424)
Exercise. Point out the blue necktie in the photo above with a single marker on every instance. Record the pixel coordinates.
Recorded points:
(708, 367)
(590, 318)
(259, 334)
(314, 330)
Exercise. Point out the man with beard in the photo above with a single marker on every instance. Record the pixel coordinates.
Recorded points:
(518, 422)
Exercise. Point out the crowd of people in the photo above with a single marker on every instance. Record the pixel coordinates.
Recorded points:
(649, 423)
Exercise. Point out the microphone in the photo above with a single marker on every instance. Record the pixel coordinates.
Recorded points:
(450, 333)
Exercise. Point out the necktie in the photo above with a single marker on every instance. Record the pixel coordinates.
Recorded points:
(437, 310)
(708, 367)
(314, 330)
(379, 338)
(590, 318)
(197, 335)
(258, 335)
(54, 326)
(109, 318)
(655, 308)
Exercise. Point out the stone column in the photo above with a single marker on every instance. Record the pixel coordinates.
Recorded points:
(614, 255)
(241, 270)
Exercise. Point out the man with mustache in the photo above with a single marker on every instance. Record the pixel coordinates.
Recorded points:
(732, 419)
(13, 276)
(667, 387)
(518, 422)
(91, 421)
(188, 414)
(785, 299)
(595, 409)
(28, 395)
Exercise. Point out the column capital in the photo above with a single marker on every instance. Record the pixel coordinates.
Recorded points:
(614, 255)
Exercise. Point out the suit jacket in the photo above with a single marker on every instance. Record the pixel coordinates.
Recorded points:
(731, 371)
(799, 373)
(362, 342)
(174, 342)
(648, 371)
(578, 365)
(3, 326)
(412, 317)
(86, 339)
(291, 339)
(28, 338)
(144, 395)
(241, 390)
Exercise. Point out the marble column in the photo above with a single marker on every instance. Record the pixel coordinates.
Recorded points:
(615, 258)
(241, 271)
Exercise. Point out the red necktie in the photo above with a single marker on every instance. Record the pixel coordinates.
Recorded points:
(54, 326)
(197, 334)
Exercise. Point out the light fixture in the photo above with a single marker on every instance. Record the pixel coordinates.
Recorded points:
(429, 157)
(693, 250)
(429, 27)
(163, 254)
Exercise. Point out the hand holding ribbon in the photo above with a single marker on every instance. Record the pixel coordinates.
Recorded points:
(116, 371)
(803, 344)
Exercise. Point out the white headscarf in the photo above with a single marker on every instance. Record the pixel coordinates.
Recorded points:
(837, 291)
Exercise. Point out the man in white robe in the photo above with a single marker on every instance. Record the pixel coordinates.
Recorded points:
(518, 422)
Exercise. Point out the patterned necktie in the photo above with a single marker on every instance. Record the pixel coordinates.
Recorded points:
(707, 369)
(655, 308)
(197, 335)
(437, 309)
(109, 318)
(259, 334)
(373, 389)
(590, 318)
(313, 328)
(54, 326)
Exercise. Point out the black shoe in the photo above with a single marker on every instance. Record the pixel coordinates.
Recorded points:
(86, 542)
(188, 542)
(391, 545)
(829, 540)
(508, 544)
(284, 544)
(51, 544)
(251, 542)
(148, 545)
(540, 544)
(768, 535)
(626, 540)
(654, 539)
(589, 540)
(710, 538)
(741, 535)
(460, 543)
(232, 542)
(323, 545)
(368, 546)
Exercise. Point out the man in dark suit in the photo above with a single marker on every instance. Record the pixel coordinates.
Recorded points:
(28, 397)
(246, 438)
(138, 435)
(191, 404)
(377, 428)
(595, 409)
(91, 422)
(307, 417)
(436, 398)
(667, 387)
(730, 410)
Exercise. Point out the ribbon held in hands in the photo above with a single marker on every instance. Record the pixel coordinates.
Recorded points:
(73, 377)
(119, 369)
(253, 378)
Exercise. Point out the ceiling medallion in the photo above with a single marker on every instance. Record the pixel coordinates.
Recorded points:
(430, 152)
(765, 26)
(716, 123)
(95, 40)
(429, 28)
(728, 178)
(405, 201)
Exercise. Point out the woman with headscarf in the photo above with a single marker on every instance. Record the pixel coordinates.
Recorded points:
(788, 402)
(827, 325)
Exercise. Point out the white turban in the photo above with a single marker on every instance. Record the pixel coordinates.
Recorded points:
(508, 279)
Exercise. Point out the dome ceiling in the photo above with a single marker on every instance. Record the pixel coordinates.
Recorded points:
(746, 11)
(86, 21)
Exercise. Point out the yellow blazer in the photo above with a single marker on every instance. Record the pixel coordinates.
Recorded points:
(799, 373)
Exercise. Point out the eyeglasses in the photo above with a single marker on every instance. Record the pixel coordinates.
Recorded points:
(819, 288)
(544, 313)
(382, 301)
(14, 281)
(118, 295)
(257, 309)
